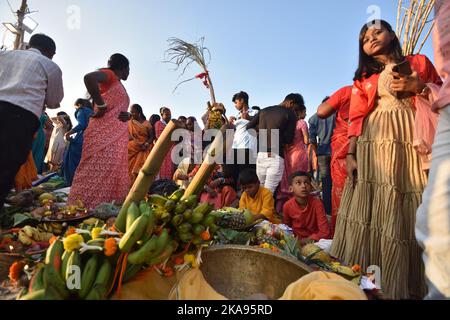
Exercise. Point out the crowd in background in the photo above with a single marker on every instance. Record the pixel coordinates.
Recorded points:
(354, 173)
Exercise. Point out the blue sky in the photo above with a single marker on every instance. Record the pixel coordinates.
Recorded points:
(265, 47)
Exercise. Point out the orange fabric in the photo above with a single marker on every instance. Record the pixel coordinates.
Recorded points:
(339, 101)
(263, 203)
(136, 157)
(26, 175)
(224, 197)
(308, 222)
(364, 92)
(313, 164)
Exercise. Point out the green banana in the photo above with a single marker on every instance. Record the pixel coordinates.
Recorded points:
(88, 276)
(170, 205)
(198, 229)
(185, 236)
(180, 208)
(54, 254)
(121, 221)
(203, 208)
(177, 195)
(150, 225)
(157, 200)
(177, 220)
(209, 220)
(166, 254)
(133, 214)
(141, 255)
(96, 293)
(99, 242)
(65, 259)
(104, 274)
(134, 234)
(143, 206)
(37, 281)
(48, 293)
(52, 278)
(197, 217)
(74, 261)
(187, 215)
(161, 244)
(131, 271)
(191, 201)
(185, 227)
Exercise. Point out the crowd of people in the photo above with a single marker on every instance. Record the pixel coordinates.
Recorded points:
(354, 173)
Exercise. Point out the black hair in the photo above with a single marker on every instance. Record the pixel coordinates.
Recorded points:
(163, 187)
(325, 99)
(161, 110)
(84, 103)
(139, 109)
(192, 119)
(182, 117)
(296, 98)
(118, 62)
(298, 174)
(42, 42)
(300, 108)
(154, 119)
(66, 118)
(248, 176)
(367, 65)
(241, 95)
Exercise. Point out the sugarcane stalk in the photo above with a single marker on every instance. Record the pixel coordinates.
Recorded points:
(208, 165)
(426, 37)
(211, 89)
(426, 14)
(399, 12)
(152, 165)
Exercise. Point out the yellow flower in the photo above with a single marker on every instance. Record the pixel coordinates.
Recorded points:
(266, 246)
(95, 233)
(189, 258)
(73, 242)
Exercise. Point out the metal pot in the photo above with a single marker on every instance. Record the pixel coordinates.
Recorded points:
(239, 272)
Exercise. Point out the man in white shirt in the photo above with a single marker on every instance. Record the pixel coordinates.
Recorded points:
(245, 142)
(29, 80)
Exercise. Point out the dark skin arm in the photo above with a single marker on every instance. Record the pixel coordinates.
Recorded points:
(352, 164)
(325, 110)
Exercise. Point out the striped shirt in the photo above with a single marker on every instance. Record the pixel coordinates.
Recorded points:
(30, 80)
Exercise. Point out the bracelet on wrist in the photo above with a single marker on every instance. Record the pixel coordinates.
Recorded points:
(102, 107)
(351, 154)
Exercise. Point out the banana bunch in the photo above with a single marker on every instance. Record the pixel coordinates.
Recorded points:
(53, 227)
(215, 116)
(190, 221)
(28, 235)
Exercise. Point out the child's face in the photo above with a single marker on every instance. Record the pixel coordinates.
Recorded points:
(301, 187)
(251, 189)
(376, 41)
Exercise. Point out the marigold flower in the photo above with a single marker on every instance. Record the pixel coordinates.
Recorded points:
(73, 242)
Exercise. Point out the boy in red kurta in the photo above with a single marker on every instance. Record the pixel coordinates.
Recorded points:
(303, 213)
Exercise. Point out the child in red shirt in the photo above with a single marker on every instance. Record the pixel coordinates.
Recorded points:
(303, 213)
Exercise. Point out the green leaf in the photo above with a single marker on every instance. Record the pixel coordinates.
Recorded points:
(20, 219)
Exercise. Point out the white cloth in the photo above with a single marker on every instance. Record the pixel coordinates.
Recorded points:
(242, 137)
(57, 145)
(269, 170)
(30, 80)
(433, 216)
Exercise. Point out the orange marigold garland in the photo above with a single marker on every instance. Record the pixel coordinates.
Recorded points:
(15, 270)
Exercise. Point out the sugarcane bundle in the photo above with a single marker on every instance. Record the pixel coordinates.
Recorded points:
(182, 54)
(414, 24)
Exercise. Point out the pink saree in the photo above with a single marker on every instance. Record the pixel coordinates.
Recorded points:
(102, 175)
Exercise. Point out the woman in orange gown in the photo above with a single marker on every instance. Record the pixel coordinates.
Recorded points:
(141, 137)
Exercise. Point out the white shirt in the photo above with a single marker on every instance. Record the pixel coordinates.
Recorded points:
(30, 80)
(242, 138)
